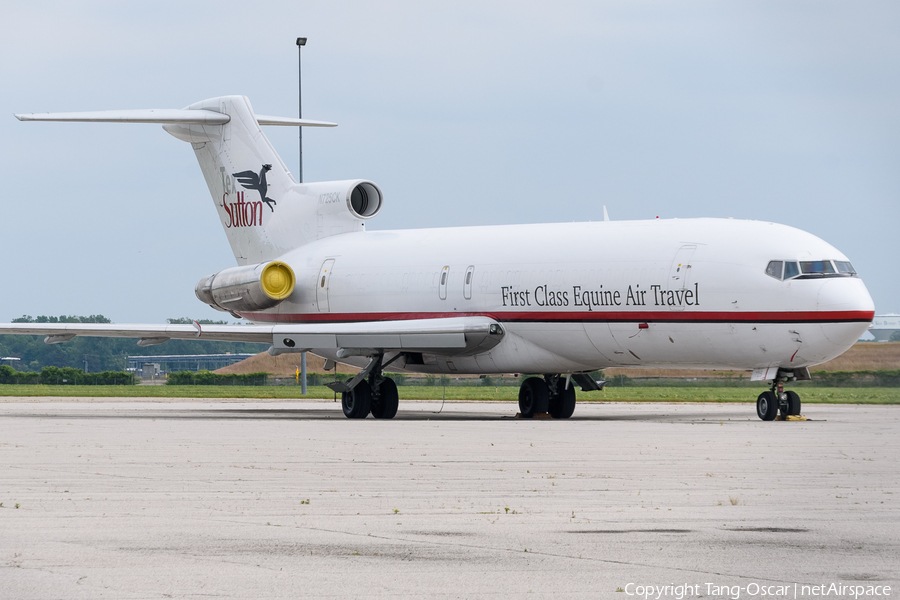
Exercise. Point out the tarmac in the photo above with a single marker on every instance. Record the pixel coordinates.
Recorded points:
(290, 499)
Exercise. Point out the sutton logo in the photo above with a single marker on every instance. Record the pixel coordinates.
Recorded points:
(242, 213)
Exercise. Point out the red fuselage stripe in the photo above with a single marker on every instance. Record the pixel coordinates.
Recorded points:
(849, 316)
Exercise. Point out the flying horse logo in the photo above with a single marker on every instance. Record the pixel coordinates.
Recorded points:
(253, 181)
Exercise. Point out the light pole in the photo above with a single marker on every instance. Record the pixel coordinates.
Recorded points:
(301, 41)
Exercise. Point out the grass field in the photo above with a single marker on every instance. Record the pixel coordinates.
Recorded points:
(866, 395)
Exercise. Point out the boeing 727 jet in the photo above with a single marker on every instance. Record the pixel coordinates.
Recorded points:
(558, 299)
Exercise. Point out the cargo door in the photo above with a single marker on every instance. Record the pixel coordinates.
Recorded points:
(322, 284)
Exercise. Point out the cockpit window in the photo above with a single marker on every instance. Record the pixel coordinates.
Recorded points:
(774, 269)
(809, 269)
(816, 267)
(844, 267)
(791, 270)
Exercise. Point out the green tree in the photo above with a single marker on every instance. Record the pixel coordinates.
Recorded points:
(62, 319)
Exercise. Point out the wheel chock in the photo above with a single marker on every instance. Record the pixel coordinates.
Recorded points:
(791, 418)
(542, 416)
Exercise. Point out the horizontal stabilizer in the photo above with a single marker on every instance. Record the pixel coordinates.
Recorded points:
(288, 121)
(162, 116)
(165, 116)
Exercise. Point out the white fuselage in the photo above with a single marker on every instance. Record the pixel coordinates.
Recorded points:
(689, 293)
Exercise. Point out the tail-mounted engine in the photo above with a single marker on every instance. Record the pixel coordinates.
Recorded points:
(343, 205)
(248, 288)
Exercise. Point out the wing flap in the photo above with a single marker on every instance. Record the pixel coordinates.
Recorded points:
(433, 340)
(389, 340)
(451, 335)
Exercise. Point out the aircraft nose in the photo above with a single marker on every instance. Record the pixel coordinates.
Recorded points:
(847, 301)
(845, 294)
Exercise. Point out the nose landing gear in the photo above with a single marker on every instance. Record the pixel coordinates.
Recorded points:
(776, 400)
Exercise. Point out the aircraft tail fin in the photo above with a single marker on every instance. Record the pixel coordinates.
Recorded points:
(248, 181)
(261, 206)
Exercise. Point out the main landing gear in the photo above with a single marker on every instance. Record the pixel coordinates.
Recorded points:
(369, 392)
(776, 400)
(553, 395)
(362, 400)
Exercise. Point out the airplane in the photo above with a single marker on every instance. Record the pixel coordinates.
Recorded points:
(560, 299)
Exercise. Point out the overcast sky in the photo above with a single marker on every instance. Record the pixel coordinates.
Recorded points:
(464, 113)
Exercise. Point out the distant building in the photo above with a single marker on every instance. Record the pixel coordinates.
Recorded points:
(183, 362)
(150, 370)
(884, 326)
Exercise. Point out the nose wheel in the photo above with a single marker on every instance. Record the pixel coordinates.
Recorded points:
(776, 400)
(767, 406)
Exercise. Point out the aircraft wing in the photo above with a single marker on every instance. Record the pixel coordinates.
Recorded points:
(456, 335)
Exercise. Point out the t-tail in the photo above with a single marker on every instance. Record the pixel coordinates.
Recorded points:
(264, 211)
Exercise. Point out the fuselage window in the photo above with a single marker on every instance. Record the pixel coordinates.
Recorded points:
(774, 269)
(442, 289)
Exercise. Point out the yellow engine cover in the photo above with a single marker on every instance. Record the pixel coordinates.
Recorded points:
(277, 280)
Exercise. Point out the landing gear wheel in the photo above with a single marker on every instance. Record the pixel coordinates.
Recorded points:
(562, 404)
(357, 402)
(534, 397)
(388, 400)
(793, 403)
(767, 406)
